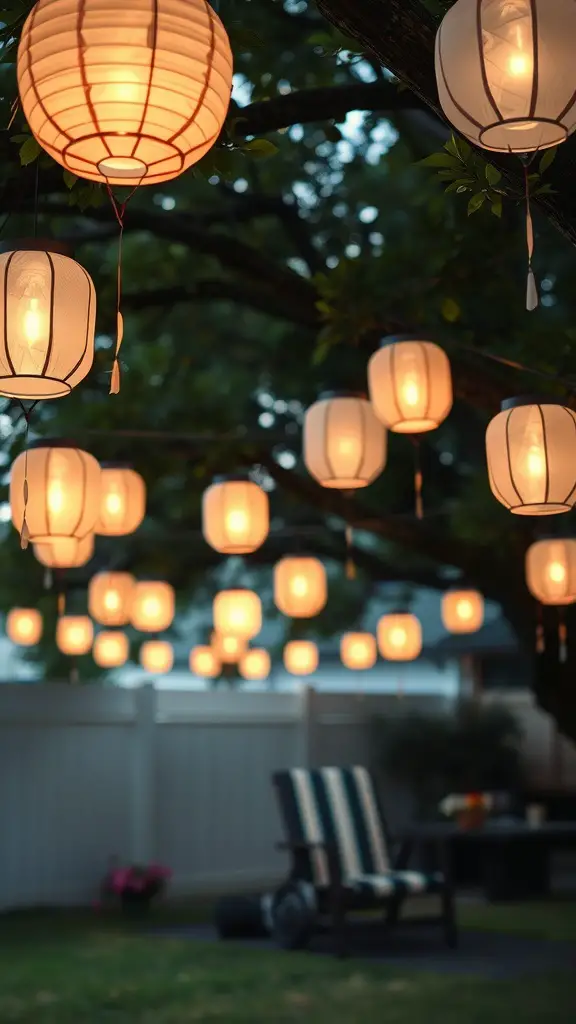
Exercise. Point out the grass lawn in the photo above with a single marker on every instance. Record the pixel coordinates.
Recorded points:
(59, 969)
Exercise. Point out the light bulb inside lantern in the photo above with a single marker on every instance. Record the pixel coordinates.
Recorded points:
(151, 607)
(56, 496)
(299, 586)
(347, 445)
(410, 391)
(25, 626)
(33, 313)
(519, 65)
(398, 637)
(237, 522)
(76, 635)
(111, 600)
(230, 644)
(464, 609)
(237, 618)
(113, 504)
(535, 463)
(557, 572)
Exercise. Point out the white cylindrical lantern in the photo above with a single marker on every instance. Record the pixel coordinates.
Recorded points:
(235, 515)
(344, 443)
(127, 94)
(531, 454)
(111, 649)
(462, 611)
(63, 484)
(505, 72)
(65, 552)
(399, 637)
(301, 657)
(300, 588)
(157, 656)
(227, 647)
(255, 664)
(110, 597)
(551, 571)
(410, 384)
(152, 606)
(358, 650)
(24, 626)
(237, 613)
(74, 634)
(122, 500)
(48, 305)
(204, 662)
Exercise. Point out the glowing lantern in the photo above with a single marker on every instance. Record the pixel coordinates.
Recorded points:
(47, 318)
(399, 637)
(505, 72)
(235, 516)
(122, 501)
(344, 443)
(551, 571)
(410, 384)
(204, 662)
(462, 611)
(152, 607)
(111, 649)
(237, 612)
(157, 656)
(127, 94)
(358, 650)
(531, 453)
(255, 664)
(228, 648)
(65, 552)
(301, 657)
(74, 634)
(109, 597)
(300, 589)
(24, 626)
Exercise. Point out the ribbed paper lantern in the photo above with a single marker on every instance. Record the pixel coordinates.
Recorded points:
(300, 588)
(111, 649)
(301, 657)
(358, 650)
(228, 648)
(24, 626)
(551, 571)
(410, 384)
(110, 597)
(237, 612)
(74, 634)
(122, 501)
(204, 662)
(344, 443)
(127, 94)
(152, 607)
(505, 72)
(399, 637)
(63, 491)
(462, 611)
(235, 515)
(65, 552)
(255, 664)
(157, 656)
(531, 454)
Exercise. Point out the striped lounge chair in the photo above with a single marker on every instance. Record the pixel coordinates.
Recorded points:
(341, 852)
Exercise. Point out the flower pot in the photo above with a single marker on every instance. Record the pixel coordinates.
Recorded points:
(136, 903)
(471, 817)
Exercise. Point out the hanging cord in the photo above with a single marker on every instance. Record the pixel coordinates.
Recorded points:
(562, 638)
(540, 635)
(532, 299)
(418, 504)
(25, 532)
(350, 563)
(13, 112)
(119, 212)
(36, 197)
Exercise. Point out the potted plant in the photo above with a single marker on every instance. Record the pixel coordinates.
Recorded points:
(135, 885)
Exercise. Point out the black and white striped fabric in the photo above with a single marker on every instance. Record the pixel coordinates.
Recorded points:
(338, 805)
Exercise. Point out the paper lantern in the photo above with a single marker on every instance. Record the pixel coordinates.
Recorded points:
(47, 318)
(126, 94)
(358, 650)
(63, 484)
(399, 637)
(301, 657)
(65, 552)
(122, 500)
(551, 571)
(505, 72)
(410, 384)
(152, 606)
(111, 649)
(237, 612)
(462, 611)
(110, 597)
(344, 443)
(531, 454)
(24, 626)
(204, 662)
(228, 648)
(300, 588)
(255, 664)
(235, 515)
(74, 634)
(157, 656)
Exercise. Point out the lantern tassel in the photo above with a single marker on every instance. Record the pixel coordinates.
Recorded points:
(47, 579)
(24, 531)
(540, 636)
(562, 638)
(532, 298)
(350, 563)
(119, 212)
(61, 606)
(419, 505)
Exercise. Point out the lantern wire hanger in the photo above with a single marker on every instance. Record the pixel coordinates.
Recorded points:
(532, 297)
(119, 208)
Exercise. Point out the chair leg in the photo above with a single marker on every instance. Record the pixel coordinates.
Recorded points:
(392, 911)
(449, 917)
(339, 922)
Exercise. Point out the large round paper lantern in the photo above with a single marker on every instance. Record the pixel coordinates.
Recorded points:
(204, 662)
(127, 94)
(152, 607)
(410, 384)
(110, 596)
(300, 588)
(74, 634)
(65, 552)
(344, 443)
(399, 637)
(505, 72)
(228, 648)
(157, 656)
(235, 515)
(358, 650)
(237, 612)
(111, 649)
(551, 571)
(301, 657)
(24, 626)
(462, 611)
(48, 305)
(255, 664)
(63, 485)
(531, 454)
(122, 500)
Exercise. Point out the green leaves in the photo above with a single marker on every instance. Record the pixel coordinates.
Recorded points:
(29, 151)
(548, 159)
(493, 175)
(476, 202)
(465, 171)
(260, 148)
(450, 310)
